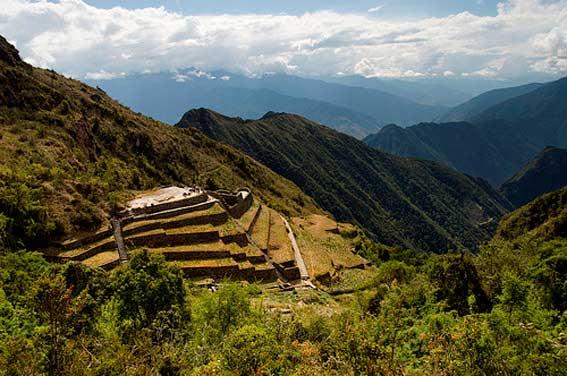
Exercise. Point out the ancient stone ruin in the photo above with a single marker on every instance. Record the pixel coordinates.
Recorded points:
(216, 234)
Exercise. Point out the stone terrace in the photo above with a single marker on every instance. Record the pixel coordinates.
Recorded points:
(206, 234)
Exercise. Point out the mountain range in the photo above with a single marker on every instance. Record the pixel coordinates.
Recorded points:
(417, 204)
(496, 143)
(471, 109)
(357, 111)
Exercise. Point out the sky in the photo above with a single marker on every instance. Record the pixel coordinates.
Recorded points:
(97, 39)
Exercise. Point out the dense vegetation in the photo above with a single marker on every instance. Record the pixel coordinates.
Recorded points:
(70, 155)
(496, 144)
(544, 218)
(417, 204)
(543, 174)
(501, 312)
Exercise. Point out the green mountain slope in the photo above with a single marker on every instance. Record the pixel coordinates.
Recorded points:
(70, 155)
(474, 107)
(542, 219)
(496, 145)
(408, 202)
(545, 173)
(492, 150)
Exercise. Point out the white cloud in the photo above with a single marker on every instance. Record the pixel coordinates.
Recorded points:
(375, 9)
(80, 40)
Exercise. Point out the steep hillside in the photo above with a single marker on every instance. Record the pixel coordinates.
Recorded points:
(545, 173)
(542, 219)
(497, 144)
(539, 116)
(412, 203)
(490, 150)
(71, 155)
(474, 107)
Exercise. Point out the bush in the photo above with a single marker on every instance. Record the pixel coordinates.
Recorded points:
(250, 350)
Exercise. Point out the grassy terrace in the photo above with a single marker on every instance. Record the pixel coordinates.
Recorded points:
(280, 246)
(191, 229)
(246, 219)
(80, 237)
(245, 265)
(215, 209)
(157, 231)
(78, 251)
(203, 247)
(262, 228)
(321, 248)
(102, 258)
(208, 263)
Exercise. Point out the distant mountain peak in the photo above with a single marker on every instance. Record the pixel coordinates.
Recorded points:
(8, 53)
(270, 114)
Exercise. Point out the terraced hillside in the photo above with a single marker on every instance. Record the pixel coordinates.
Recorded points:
(197, 233)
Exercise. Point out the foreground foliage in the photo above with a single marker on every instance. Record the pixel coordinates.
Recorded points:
(501, 312)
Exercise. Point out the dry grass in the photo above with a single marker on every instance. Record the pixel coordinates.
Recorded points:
(102, 258)
(280, 249)
(208, 263)
(261, 229)
(246, 219)
(78, 251)
(85, 235)
(323, 251)
(191, 229)
(215, 209)
(202, 247)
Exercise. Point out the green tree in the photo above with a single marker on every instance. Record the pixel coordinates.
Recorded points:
(146, 286)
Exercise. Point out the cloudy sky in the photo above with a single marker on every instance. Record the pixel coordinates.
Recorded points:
(509, 39)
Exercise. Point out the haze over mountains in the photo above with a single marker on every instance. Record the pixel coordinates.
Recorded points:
(497, 142)
(357, 111)
(419, 204)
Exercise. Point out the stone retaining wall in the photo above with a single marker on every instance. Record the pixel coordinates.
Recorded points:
(173, 213)
(195, 255)
(93, 238)
(106, 246)
(189, 201)
(241, 239)
(192, 238)
(254, 220)
(235, 204)
(213, 272)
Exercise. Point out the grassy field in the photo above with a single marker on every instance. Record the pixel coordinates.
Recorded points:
(322, 248)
